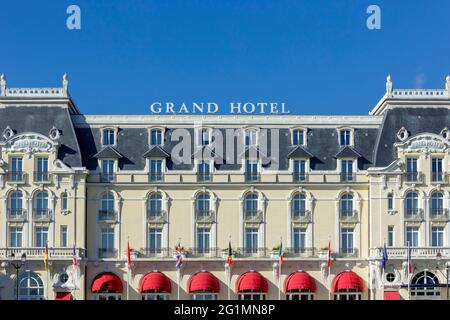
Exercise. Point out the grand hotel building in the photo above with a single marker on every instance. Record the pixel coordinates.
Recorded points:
(98, 182)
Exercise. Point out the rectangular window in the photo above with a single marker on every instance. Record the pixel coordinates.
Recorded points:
(346, 170)
(250, 137)
(437, 236)
(156, 170)
(154, 240)
(299, 240)
(298, 138)
(390, 236)
(345, 137)
(41, 236)
(251, 240)
(15, 237)
(436, 169)
(204, 137)
(203, 240)
(16, 169)
(203, 171)
(64, 236)
(411, 169)
(108, 137)
(412, 236)
(107, 243)
(155, 137)
(347, 241)
(107, 170)
(299, 170)
(251, 170)
(390, 201)
(42, 169)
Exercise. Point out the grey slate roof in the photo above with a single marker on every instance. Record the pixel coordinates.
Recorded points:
(108, 152)
(347, 152)
(156, 152)
(205, 152)
(300, 152)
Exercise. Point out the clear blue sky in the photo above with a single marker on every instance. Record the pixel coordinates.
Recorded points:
(316, 56)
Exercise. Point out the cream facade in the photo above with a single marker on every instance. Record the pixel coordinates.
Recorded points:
(91, 184)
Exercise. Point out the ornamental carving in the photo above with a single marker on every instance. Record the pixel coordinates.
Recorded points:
(424, 143)
(29, 143)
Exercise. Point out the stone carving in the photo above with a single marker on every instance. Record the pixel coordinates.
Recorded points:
(29, 143)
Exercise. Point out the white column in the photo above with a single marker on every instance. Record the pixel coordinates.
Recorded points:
(426, 232)
(337, 226)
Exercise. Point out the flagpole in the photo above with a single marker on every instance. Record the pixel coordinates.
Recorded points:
(279, 268)
(178, 281)
(329, 268)
(228, 267)
(409, 266)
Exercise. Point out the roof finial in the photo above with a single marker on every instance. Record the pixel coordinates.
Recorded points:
(2, 85)
(65, 84)
(389, 86)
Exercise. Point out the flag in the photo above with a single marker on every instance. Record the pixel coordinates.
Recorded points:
(329, 255)
(281, 253)
(408, 260)
(230, 255)
(179, 257)
(46, 257)
(385, 258)
(74, 258)
(128, 255)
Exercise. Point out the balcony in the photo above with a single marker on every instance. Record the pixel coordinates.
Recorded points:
(17, 214)
(413, 177)
(416, 252)
(413, 214)
(348, 252)
(302, 252)
(42, 214)
(204, 216)
(439, 215)
(301, 216)
(156, 177)
(154, 253)
(439, 178)
(156, 216)
(300, 177)
(106, 253)
(17, 177)
(252, 177)
(204, 252)
(348, 216)
(348, 177)
(38, 253)
(253, 216)
(107, 177)
(107, 215)
(251, 252)
(204, 177)
(43, 177)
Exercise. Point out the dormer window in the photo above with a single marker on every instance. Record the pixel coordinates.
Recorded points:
(250, 137)
(345, 136)
(156, 137)
(109, 137)
(298, 137)
(445, 134)
(402, 134)
(204, 137)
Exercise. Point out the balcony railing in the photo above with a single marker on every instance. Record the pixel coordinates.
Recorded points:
(299, 252)
(156, 216)
(156, 177)
(16, 214)
(348, 177)
(42, 177)
(348, 252)
(252, 177)
(300, 177)
(302, 216)
(253, 216)
(154, 253)
(107, 253)
(413, 177)
(38, 252)
(413, 214)
(439, 214)
(204, 177)
(17, 177)
(251, 252)
(107, 177)
(416, 252)
(348, 215)
(205, 216)
(438, 177)
(106, 215)
(204, 252)
(42, 214)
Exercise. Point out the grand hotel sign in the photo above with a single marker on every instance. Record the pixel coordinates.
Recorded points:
(29, 143)
(424, 143)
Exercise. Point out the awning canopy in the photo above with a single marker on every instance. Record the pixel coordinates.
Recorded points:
(347, 280)
(155, 282)
(203, 281)
(392, 295)
(107, 282)
(252, 281)
(299, 280)
(63, 296)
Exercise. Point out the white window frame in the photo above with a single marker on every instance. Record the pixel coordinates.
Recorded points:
(305, 136)
(116, 130)
(352, 136)
(257, 133)
(162, 130)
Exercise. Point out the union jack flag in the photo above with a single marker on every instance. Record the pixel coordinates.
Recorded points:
(179, 256)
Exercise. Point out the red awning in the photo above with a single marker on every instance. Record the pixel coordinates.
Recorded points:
(156, 282)
(203, 281)
(299, 280)
(251, 281)
(392, 295)
(63, 296)
(107, 282)
(347, 280)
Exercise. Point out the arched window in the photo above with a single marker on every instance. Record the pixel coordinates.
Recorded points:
(203, 205)
(155, 205)
(251, 205)
(15, 205)
(437, 204)
(30, 287)
(411, 204)
(346, 205)
(41, 205)
(425, 285)
(107, 207)
(298, 206)
(64, 203)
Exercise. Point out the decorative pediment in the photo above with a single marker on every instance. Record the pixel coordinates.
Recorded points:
(424, 143)
(29, 143)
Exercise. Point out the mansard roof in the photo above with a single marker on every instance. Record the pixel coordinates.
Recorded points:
(347, 152)
(205, 152)
(300, 152)
(108, 152)
(156, 152)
